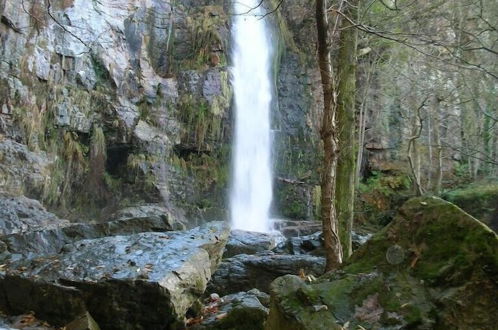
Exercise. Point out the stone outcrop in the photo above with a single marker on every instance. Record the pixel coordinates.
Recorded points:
(140, 281)
(433, 267)
(297, 119)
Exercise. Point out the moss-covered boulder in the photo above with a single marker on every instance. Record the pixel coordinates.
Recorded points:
(480, 200)
(433, 267)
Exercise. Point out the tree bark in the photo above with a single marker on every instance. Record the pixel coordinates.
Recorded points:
(329, 137)
(346, 97)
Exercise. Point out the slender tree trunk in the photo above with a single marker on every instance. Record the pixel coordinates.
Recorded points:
(328, 134)
(439, 147)
(412, 151)
(429, 147)
(346, 97)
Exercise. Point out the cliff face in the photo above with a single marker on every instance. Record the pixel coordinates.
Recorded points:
(109, 103)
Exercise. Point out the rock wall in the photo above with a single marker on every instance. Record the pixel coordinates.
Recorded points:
(109, 103)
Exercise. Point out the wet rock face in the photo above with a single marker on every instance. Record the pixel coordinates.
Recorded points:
(434, 266)
(141, 281)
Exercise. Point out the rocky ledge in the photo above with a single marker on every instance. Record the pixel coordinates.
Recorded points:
(140, 281)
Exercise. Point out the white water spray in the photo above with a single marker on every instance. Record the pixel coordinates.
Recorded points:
(252, 58)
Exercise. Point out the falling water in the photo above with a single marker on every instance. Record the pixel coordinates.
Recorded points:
(252, 183)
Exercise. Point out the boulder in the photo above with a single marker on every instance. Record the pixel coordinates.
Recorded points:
(433, 267)
(242, 311)
(140, 281)
(244, 272)
(247, 242)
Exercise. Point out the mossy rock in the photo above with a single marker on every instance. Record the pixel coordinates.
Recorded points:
(479, 200)
(433, 267)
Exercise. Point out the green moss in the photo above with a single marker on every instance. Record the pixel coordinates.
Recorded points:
(101, 72)
(292, 307)
(479, 200)
(203, 38)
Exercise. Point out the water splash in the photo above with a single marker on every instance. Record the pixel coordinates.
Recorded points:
(252, 62)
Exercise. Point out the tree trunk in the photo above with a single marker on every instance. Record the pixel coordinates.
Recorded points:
(346, 96)
(429, 149)
(412, 152)
(439, 147)
(328, 134)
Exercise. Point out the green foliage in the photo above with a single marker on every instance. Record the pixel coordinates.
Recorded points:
(462, 173)
(380, 196)
(386, 185)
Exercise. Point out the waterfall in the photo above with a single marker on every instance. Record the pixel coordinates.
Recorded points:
(251, 193)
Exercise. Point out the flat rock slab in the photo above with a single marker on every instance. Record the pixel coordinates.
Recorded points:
(141, 281)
